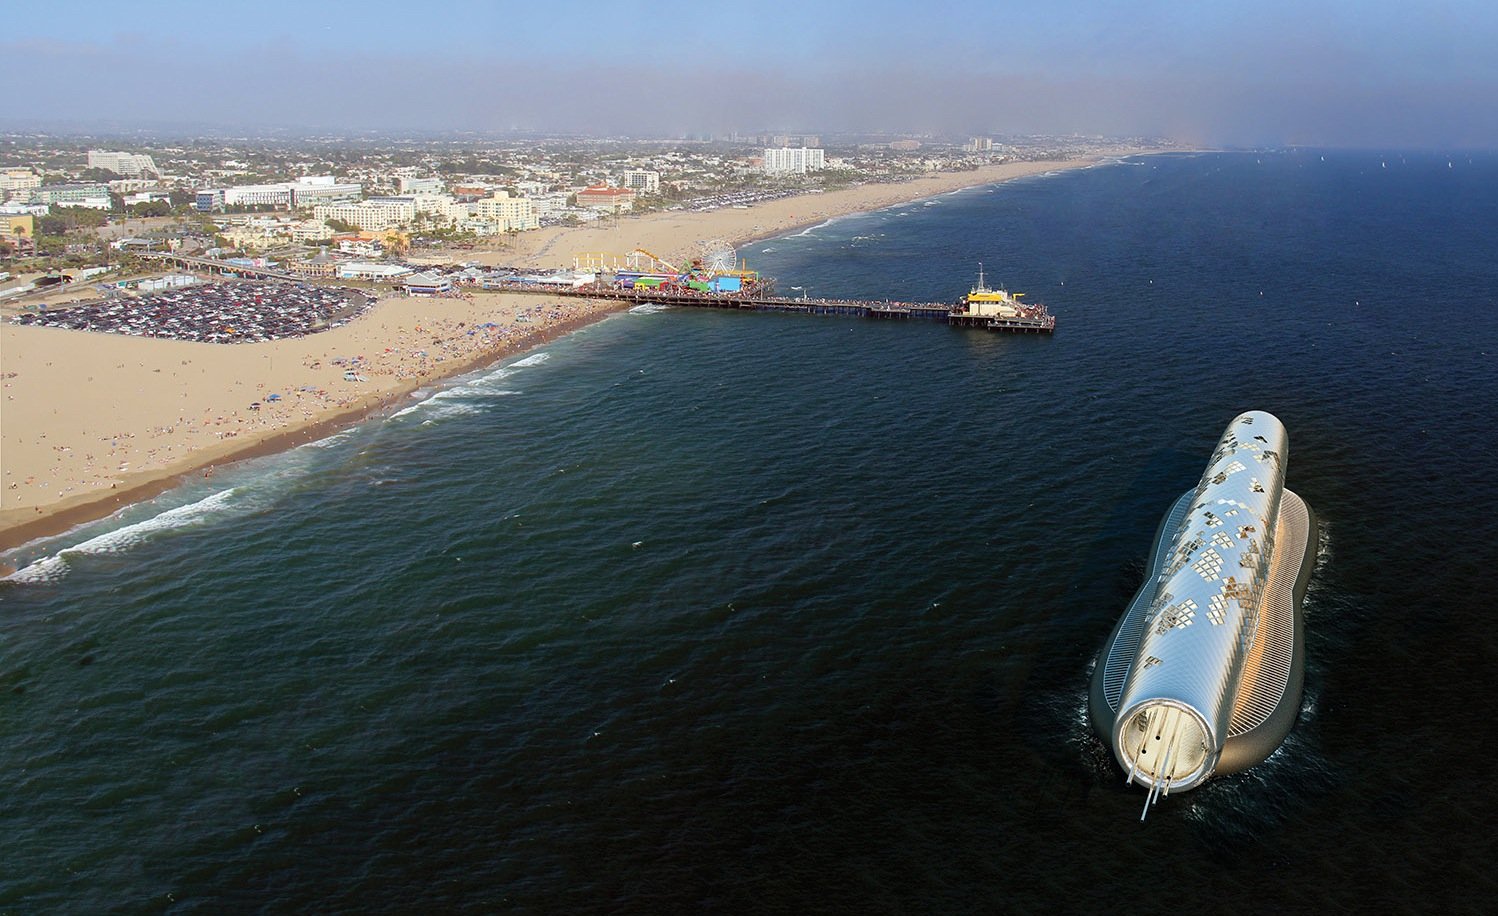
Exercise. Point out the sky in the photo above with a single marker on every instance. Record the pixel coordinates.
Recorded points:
(1267, 73)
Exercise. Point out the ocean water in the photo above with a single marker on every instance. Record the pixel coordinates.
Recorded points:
(697, 611)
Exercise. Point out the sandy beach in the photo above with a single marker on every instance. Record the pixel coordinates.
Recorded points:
(90, 422)
(676, 235)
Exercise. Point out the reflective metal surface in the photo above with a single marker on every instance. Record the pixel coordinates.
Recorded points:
(1177, 701)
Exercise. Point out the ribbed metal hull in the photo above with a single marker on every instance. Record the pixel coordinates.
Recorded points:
(1206, 664)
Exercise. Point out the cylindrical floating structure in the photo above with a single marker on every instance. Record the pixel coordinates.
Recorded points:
(1203, 672)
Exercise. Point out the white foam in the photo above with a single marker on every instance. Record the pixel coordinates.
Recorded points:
(535, 359)
(449, 402)
(50, 569)
(809, 229)
(443, 411)
(331, 440)
(124, 538)
(47, 569)
(648, 308)
(438, 403)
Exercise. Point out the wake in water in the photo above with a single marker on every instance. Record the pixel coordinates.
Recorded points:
(1242, 805)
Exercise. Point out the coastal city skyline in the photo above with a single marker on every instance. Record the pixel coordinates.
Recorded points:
(1337, 74)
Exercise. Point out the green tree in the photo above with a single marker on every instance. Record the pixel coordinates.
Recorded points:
(63, 220)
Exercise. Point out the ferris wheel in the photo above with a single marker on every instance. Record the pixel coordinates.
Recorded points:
(717, 256)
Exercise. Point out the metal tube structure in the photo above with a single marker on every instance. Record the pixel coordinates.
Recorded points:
(1203, 672)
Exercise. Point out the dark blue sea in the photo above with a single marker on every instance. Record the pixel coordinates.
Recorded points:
(711, 612)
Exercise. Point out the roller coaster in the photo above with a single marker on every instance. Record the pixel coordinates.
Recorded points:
(717, 270)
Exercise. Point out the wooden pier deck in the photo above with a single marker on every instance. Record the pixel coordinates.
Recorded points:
(1042, 323)
(1038, 321)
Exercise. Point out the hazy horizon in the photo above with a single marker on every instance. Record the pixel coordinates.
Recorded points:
(1336, 74)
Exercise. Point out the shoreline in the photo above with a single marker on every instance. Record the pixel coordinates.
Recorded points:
(62, 515)
(72, 515)
(672, 233)
(828, 220)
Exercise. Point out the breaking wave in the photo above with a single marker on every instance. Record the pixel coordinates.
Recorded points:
(54, 567)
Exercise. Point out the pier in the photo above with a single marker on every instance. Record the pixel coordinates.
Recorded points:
(1041, 322)
(1011, 317)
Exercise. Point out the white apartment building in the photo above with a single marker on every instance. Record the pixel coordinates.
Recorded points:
(370, 215)
(793, 160)
(440, 207)
(506, 212)
(303, 192)
(323, 189)
(18, 183)
(258, 195)
(546, 204)
(130, 165)
(641, 181)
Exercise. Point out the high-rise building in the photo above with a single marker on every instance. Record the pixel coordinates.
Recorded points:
(641, 181)
(979, 145)
(369, 215)
(508, 213)
(793, 160)
(130, 165)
